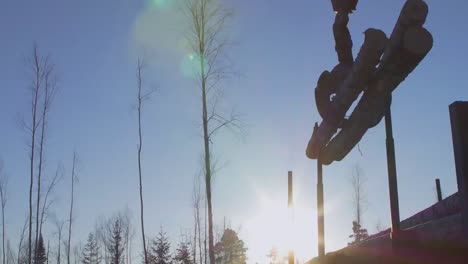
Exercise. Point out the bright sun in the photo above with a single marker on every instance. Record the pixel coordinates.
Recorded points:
(274, 225)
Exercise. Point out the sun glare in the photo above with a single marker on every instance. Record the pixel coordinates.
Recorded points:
(276, 226)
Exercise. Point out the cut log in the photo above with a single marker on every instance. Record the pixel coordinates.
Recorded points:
(417, 43)
(408, 45)
(370, 110)
(368, 113)
(362, 72)
(413, 13)
(343, 41)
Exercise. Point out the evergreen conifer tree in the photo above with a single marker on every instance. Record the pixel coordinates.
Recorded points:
(91, 252)
(231, 249)
(115, 246)
(40, 256)
(183, 254)
(359, 234)
(160, 250)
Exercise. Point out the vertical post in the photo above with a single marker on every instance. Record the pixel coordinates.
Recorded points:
(459, 122)
(290, 206)
(320, 215)
(392, 174)
(290, 189)
(439, 190)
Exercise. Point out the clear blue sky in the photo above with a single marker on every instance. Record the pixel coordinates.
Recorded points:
(282, 47)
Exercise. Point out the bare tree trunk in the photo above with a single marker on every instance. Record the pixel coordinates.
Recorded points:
(196, 201)
(127, 234)
(37, 71)
(207, 168)
(20, 244)
(206, 21)
(59, 250)
(195, 221)
(59, 224)
(70, 220)
(198, 222)
(194, 248)
(199, 234)
(48, 85)
(130, 249)
(76, 254)
(140, 145)
(3, 231)
(10, 255)
(38, 200)
(3, 200)
(204, 234)
(48, 247)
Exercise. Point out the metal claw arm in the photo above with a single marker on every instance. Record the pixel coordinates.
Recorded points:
(343, 41)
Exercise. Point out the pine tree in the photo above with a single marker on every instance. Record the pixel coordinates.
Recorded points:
(230, 250)
(183, 254)
(40, 254)
(91, 252)
(160, 250)
(359, 233)
(115, 245)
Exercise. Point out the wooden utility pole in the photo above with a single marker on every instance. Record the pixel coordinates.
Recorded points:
(459, 122)
(392, 174)
(439, 190)
(290, 190)
(320, 215)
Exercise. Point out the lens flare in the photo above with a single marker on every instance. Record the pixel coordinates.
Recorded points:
(161, 4)
(191, 65)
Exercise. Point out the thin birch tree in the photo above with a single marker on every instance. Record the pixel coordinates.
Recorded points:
(142, 96)
(35, 64)
(21, 245)
(10, 254)
(3, 200)
(207, 22)
(197, 202)
(59, 224)
(74, 179)
(49, 86)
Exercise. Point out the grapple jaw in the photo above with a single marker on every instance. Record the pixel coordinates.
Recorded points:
(344, 6)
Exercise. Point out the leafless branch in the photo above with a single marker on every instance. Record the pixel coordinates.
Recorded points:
(59, 173)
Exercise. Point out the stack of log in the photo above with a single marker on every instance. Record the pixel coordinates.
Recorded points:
(380, 67)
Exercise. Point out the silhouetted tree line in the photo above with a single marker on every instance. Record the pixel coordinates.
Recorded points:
(110, 243)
